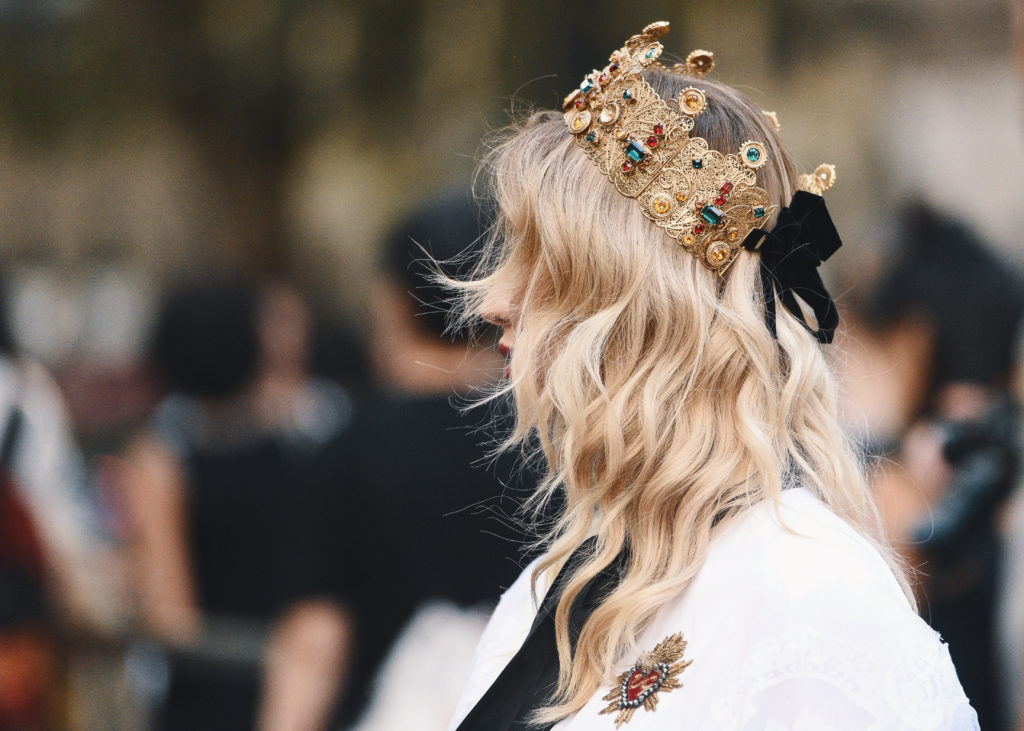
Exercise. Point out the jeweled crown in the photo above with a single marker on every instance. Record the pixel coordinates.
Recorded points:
(707, 200)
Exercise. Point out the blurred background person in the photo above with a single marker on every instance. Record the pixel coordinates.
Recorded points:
(411, 521)
(209, 487)
(933, 351)
(48, 475)
(59, 572)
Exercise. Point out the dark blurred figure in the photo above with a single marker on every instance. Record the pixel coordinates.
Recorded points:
(28, 646)
(58, 572)
(209, 490)
(942, 326)
(409, 510)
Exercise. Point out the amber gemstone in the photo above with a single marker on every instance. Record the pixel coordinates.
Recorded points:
(681, 197)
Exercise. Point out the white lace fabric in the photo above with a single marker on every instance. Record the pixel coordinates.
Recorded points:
(794, 628)
(810, 679)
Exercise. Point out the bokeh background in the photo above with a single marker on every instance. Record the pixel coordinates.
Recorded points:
(281, 146)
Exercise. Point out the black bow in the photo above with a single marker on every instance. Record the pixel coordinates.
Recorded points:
(804, 236)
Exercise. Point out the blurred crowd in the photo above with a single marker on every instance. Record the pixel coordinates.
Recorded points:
(303, 529)
(287, 502)
(269, 517)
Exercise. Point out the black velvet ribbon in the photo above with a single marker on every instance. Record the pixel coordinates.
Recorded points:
(530, 677)
(804, 236)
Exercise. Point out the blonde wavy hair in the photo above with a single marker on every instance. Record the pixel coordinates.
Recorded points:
(662, 404)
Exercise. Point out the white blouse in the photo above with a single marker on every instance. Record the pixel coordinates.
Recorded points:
(794, 622)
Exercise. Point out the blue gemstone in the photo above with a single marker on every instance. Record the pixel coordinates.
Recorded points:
(698, 163)
(635, 151)
(711, 214)
(650, 54)
(587, 86)
(759, 212)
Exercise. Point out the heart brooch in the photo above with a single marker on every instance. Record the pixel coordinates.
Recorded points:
(653, 673)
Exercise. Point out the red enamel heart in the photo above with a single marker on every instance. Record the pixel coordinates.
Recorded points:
(639, 681)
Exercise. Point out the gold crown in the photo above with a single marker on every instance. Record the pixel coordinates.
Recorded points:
(706, 200)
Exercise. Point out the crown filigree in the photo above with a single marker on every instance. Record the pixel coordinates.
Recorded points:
(706, 200)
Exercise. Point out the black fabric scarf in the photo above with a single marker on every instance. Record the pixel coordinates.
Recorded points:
(529, 679)
(804, 236)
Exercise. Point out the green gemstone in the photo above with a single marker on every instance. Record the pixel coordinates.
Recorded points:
(759, 212)
(635, 151)
(587, 86)
(627, 95)
(591, 137)
(698, 163)
(711, 214)
(753, 154)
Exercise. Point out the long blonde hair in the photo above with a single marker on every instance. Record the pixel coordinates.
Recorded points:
(662, 404)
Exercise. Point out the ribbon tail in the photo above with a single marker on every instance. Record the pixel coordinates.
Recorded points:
(768, 294)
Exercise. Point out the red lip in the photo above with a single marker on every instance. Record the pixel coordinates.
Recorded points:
(504, 350)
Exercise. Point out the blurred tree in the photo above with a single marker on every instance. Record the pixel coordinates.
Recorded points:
(231, 73)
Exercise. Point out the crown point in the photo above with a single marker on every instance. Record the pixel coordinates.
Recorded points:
(656, 29)
(753, 154)
(773, 118)
(700, 62)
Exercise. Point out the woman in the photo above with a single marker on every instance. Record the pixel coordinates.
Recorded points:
(717, 563)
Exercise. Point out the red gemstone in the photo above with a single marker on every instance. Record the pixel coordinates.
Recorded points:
(603, 79)
(698, 229)
(580, 103)
(613, 68)
(627, 166)
(659, 129)
(720, 200)
(652, 141)
(726, 187)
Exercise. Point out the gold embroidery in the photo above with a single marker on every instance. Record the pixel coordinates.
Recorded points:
(654, 672)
